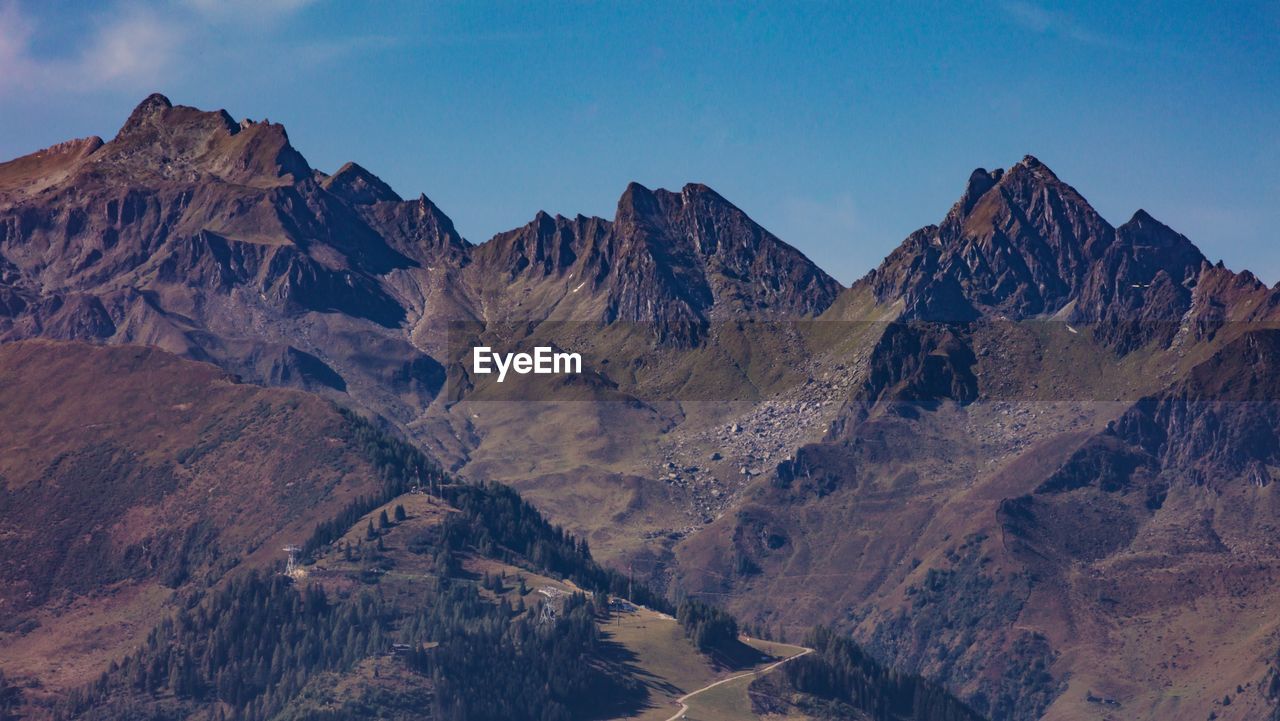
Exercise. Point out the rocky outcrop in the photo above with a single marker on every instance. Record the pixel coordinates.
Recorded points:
(358, 186)
(1221, 421)
(673, 261)
(184, 144)
(1142, 287)
(215, 239)
(1018, 244)
(1216, 429)
(921, 363)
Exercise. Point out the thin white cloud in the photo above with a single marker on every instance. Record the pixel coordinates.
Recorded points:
(130, 45)
(246, 12)
(1045, 21)
(324, 51)
(128, 48)
(15, 38)
(134, 49)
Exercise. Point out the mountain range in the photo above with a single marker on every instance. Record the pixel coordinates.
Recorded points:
(1029, 457)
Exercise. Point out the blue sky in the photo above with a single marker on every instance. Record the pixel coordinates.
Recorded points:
(839, 126)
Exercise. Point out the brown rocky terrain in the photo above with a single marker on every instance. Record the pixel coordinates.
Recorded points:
(676, 261)
(146, 506)
(128, 478)
(1029, 456)
(1048, 486)
(214, 239)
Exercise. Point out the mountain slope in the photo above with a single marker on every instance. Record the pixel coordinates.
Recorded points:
(145, 526)
(214, 239)
(1010, 459)
(674, 260)
(166, 496)
(129, 476)
(969, 516)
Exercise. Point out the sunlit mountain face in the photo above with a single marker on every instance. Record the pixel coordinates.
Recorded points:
(281, 444)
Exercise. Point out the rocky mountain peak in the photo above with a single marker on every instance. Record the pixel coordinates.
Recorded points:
(639, 202)
(1022, 243)
(182, 143)
(1141, 217)
(358, 186)
(980, 181)
(1148, 239)
(660, 201)
(156, 115)
(673, 259)
(636, 202)
(698, 193)
(1030, 194)
(1032, 163)
(1141, 287)
(148, 111)
(1018, 244)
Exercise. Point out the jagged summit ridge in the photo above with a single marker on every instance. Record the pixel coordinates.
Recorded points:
(359, 186)
(164, 142)
(147, 112)
(675, 259)
(215, 239)
(1021, 243)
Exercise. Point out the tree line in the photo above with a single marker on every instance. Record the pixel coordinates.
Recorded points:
(400, 467)
(10, 698)
(490, 665)
(709, 627)
(839, 670)
(246, 649)
(496, 522)
(494, 519)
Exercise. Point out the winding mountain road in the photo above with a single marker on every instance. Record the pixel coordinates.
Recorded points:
(684, 706)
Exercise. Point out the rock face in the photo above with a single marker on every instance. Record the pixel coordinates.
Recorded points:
(216, 240)
(678, 261)
(133, 477)
(1017, 244)
(1022, 244)
(1219, 422)
(1142, 286)
(1062, 428)
(920, 363)
(1039, 427)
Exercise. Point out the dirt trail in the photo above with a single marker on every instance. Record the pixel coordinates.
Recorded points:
(684, 707)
